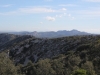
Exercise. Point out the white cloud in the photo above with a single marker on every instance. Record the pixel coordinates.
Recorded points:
(36, 10)
(61, 15)
(69, 15)
(49, 18)
(92, 0)
(65, 14)
(91, 13)
(64, 9)
(72, 18)
(41, 22)
(69, 5)
(32, 10)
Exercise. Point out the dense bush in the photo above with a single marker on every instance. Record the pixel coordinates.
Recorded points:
(79, 72)
(6, 65)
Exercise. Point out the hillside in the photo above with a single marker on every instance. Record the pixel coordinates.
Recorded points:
(35, 48)
(58, 56)
(5, 37)
(9, 40)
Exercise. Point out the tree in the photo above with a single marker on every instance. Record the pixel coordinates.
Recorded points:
(43, 67)
(6, 65)
(89, 67)
(79, 72)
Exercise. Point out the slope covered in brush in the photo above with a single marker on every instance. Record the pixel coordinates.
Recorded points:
(58, 56)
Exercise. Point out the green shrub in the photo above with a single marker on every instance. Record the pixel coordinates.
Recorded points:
(79, 72)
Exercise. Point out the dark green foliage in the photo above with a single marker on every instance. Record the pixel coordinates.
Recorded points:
(83, 47)
(79, 56)
(6, 66)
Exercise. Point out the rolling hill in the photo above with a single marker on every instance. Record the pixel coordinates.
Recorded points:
(54, 56)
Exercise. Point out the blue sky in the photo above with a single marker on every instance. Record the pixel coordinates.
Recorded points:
(50, 15)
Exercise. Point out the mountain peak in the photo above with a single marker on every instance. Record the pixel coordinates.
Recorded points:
(74, 30)
(52, 34)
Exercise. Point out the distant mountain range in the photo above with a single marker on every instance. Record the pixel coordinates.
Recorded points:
(51, 34)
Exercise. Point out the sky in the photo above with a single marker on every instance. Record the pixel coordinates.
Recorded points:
(50, 15)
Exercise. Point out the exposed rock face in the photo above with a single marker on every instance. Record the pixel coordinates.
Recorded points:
(35, 48)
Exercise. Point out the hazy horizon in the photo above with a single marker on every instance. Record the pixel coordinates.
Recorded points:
(44, 31)
(50, 15)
